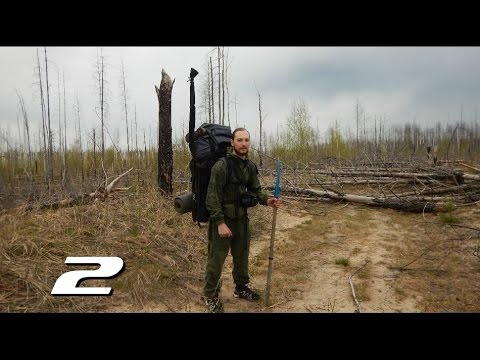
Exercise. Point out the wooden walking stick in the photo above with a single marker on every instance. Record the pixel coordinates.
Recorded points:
(276, 193)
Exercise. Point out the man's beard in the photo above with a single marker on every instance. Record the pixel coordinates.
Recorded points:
(240, 154)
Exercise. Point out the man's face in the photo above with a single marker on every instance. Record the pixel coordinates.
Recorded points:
(241, 143)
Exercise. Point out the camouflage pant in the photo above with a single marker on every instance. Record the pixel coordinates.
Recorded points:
(239, 246)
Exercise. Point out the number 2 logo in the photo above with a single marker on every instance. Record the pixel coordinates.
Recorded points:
(67, 283)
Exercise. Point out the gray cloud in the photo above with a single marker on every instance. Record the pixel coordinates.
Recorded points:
(401, 84)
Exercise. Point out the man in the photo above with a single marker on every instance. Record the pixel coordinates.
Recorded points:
(228, 227)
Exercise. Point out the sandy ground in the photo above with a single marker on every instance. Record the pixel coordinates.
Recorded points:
(328, 288)
(379, 245)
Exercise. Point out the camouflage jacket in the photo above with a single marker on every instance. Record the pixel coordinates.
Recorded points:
(224, 190)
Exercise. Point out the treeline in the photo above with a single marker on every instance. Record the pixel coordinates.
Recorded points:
(297, 144)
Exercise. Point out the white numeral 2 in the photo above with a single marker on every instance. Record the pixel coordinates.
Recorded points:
(66, 284)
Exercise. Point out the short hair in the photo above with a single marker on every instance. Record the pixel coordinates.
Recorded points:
(239, 129)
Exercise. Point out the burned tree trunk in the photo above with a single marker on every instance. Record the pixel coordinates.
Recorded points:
(165, 152)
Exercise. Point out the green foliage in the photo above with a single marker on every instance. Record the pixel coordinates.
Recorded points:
(297, 143)
(449, 206)
(447, 217)
(342, 261)
(336, 145)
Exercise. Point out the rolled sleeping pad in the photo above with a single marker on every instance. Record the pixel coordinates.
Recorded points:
(183, 203)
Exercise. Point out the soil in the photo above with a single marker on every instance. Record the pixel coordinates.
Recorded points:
(393, 261)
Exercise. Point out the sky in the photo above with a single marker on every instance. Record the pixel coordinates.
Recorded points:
(420, 85)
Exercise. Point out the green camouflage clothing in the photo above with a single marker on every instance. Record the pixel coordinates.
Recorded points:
(221, 202)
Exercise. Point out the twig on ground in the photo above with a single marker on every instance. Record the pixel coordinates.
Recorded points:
(351, 285)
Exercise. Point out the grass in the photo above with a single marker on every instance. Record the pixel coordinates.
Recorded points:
(449, 218)
(342, 261)
(163, 253)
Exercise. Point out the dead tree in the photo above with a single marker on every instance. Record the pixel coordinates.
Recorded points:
(123, 89)
(101, 85)
(26, 128)
(100, 194)
(260, 107)
(44, 127)
(416, 206)
(50, 143)
(165, 152)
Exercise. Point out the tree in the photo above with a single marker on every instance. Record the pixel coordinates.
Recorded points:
(165, 151)
(260, 109)
(123, 88)
(216, 82)
(300, 135)
(26, 128)
(49, 128)
(101, 85)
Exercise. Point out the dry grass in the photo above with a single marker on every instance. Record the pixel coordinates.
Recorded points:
(163, 254)
(440, 265)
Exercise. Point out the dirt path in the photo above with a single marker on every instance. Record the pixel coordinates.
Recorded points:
(315, 254)
(368, 238)
(364, 237)
(368, 251)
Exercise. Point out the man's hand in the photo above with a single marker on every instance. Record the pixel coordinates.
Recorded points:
(224, 231)
(274, 202)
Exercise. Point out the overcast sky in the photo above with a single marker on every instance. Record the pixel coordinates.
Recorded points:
(420, 85)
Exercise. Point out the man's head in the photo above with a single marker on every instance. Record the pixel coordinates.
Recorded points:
(240, 142)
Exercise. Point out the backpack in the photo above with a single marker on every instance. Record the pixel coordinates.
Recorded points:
(210, 143)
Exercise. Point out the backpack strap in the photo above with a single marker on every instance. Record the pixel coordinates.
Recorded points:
(231, 168)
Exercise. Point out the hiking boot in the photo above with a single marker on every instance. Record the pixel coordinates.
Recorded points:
(246, 293)
(214, 304)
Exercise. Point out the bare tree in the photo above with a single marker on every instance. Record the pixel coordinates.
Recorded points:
(165, 151)
(228, 106)
(212, 104)
(217, 81)
(26, 128)
(358, 114)
(137, 151)
(220, 118)
(64, 131)
(123, 87)
(209, 105)
(60, 130)
(260, 108)
(49, 128)
(44, 132)
(94, 154)
(236, 113)
(101, 84)
(77, 109)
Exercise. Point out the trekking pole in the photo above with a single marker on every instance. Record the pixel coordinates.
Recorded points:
(276, 193)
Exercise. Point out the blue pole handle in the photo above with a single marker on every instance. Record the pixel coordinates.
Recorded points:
(276, 193)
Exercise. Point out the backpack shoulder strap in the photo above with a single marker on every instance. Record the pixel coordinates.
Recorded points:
(227, 164)
(232, 168)
(252, 166)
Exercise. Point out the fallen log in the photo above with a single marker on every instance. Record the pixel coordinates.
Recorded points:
(417, 206)
(99, 194)
(465, 188)
(443, 175)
